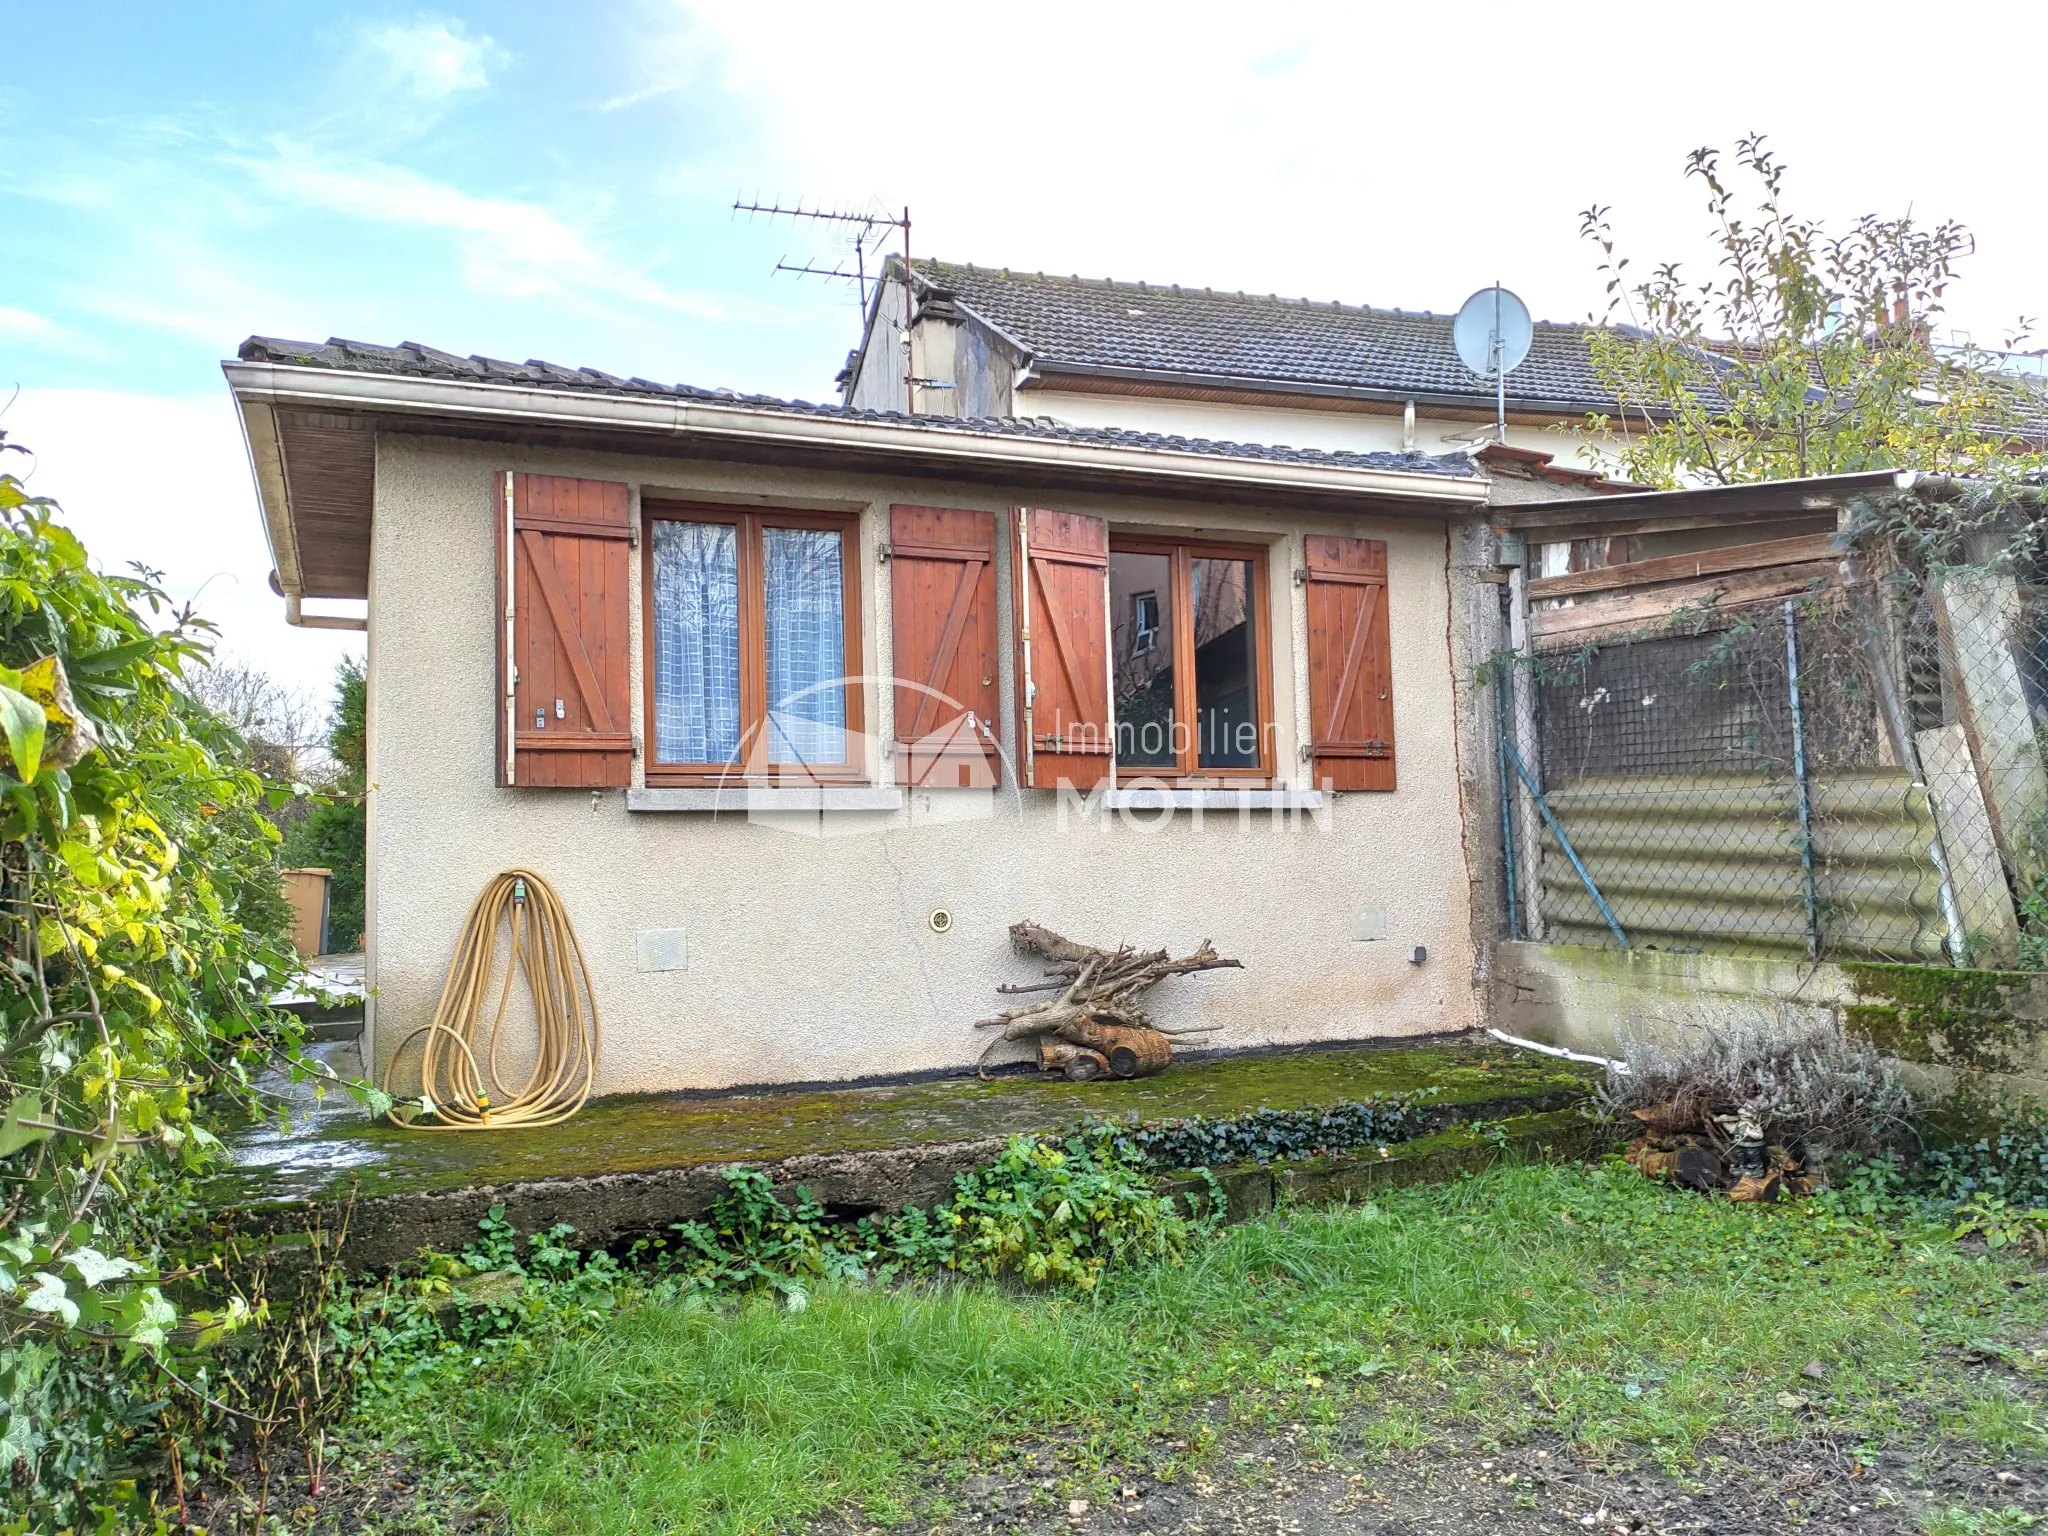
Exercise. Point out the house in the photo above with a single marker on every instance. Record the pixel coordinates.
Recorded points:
(955, 339)
(799, 707)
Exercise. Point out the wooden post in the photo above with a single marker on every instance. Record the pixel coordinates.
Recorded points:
(1977, 614)
(1990, 929)
(1528, 825)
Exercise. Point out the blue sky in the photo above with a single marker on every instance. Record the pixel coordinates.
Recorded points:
(555, 180)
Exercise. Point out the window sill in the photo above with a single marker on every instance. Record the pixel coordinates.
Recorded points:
(1162, 798)
(824, 797)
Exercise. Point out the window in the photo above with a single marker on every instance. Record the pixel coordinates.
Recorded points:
(751, 618)
(1144, 623)
(1190, 660)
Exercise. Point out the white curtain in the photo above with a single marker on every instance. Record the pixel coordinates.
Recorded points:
(806, 646)
(696, 643)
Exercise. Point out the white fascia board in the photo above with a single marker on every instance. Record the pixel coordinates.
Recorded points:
(266, 464)
(276, 384)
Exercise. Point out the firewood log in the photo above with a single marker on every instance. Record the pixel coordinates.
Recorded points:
(1100, 987)
(1076, 1063)
(1130, 1052)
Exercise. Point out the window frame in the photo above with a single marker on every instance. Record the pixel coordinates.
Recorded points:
(749, 548)
(1181, 633)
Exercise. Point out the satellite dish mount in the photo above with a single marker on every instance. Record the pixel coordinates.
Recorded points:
(1492, 334)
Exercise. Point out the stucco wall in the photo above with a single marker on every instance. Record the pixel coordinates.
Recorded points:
(1359, 431)
(809, 952)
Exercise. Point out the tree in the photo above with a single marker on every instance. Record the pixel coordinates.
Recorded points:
(333, 835)
(285, 734)
(1804, 354)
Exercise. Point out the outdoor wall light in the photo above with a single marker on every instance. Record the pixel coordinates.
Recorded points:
(1417, 955)
(941, 920)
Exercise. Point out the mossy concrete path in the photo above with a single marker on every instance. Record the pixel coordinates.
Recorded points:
(636, 1164)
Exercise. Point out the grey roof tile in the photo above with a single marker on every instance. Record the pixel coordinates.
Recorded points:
(1097, 323)
(412, 360)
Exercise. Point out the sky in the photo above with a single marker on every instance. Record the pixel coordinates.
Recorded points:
(554, 180)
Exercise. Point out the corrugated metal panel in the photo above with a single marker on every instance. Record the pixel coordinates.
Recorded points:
(1712, 862)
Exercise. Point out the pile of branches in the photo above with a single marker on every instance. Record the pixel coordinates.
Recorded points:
(1756, 1111)
(1094, 1026)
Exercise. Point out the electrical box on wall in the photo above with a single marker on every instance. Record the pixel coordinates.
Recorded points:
(1368, 924)
(662, 949)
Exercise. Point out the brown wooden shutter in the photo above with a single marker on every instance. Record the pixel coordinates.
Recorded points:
(565, 548)
(942, 581)
(1350, 679)
(1063, 648)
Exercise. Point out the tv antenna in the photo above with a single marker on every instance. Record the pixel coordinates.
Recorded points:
(1492, 334)
(870, 230)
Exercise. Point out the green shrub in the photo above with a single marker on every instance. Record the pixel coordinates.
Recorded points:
(141, 934)
(1059, 1213)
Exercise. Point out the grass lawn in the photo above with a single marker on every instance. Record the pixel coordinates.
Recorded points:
(1619, 1322)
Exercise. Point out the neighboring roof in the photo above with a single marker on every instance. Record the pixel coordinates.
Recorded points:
(412, 360)
(1223, 338)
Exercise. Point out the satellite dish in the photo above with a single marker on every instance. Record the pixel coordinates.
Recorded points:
(1493, 324)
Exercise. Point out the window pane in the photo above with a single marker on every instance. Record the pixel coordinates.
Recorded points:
(806, 646)
(1141, 639)
(1226, 681)
(696, 643)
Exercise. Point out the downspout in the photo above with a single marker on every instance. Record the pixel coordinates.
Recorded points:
(301, 620)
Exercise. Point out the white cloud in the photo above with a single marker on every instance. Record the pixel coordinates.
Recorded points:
(1367, 152)
(23, 326)
(430, 58)
(508, 247)
(165, 481)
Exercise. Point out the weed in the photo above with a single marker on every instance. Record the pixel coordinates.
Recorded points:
(1987, 1522)
(1999, 1223)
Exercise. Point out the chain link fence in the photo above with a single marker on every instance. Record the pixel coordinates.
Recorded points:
(1850, 774)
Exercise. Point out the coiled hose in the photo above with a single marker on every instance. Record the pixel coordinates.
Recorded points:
(545, 949)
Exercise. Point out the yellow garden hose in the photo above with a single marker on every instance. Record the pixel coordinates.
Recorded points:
(545, 949)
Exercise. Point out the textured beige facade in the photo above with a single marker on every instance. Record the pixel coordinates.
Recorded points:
(810, 954)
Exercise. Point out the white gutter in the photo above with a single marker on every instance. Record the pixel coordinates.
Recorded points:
(294, 616)
(264, 386)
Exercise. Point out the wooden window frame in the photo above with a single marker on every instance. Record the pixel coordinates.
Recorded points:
(1184, 553)
(750, 523)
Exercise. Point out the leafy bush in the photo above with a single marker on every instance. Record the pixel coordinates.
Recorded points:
(1045, 1212)
(1265, 1135)
(1060, 1214)
(141, 933)
(750, 1240)
(2010, 1162)
(1813, 1089)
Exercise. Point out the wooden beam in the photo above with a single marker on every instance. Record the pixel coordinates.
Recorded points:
(1636, 611)
(1556, 531)
(1705, 562)
(1760, 501)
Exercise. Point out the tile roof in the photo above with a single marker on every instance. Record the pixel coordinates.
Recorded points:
(411, 360)
(1097, 324)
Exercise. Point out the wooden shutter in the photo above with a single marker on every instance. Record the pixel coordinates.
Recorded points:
(565, 553)
(942, 581)
(1063, 648)
(1350, 680)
